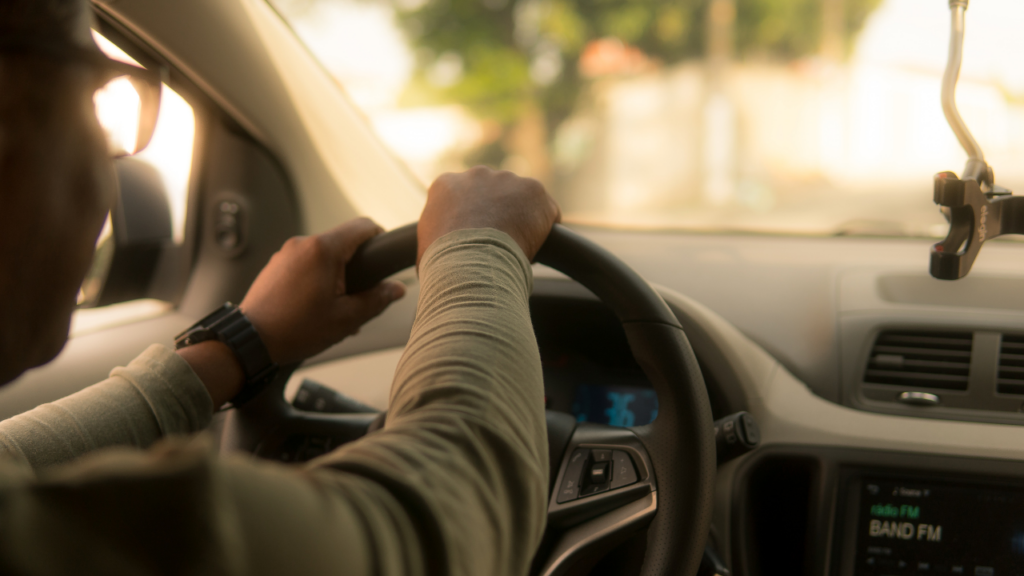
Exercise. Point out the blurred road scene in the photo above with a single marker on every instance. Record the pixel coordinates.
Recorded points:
(779, 116)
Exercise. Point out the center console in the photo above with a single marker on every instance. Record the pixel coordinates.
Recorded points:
(907, 523)
(848, 512)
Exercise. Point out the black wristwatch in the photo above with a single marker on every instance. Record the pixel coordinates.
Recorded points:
(231, 327)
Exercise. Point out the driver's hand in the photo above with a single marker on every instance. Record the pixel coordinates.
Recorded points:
(485, 198)
(298, 303)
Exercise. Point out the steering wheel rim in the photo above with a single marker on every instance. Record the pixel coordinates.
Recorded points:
(679, 443)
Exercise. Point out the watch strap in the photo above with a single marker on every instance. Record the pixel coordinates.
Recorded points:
(229, 325)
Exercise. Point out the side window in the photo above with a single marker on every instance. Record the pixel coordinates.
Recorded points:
(149, 217)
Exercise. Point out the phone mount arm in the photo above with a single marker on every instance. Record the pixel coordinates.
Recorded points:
(978, 210)
(976, 167)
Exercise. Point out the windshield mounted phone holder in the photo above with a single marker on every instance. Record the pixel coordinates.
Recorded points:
(976, 208)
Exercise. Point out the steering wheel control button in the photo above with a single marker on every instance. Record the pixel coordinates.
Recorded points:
(594, 489)
(570, 488)
(602, 474)
(623, 471)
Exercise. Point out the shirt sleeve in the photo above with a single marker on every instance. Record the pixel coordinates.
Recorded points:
(456, 482)
(156, 395)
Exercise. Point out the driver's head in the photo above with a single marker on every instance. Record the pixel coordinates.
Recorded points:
(56, 180)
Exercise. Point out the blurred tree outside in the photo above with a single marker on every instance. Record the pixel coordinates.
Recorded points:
(520, 65)
(717, 115)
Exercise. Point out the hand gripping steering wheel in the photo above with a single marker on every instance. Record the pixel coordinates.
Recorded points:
(673, 457)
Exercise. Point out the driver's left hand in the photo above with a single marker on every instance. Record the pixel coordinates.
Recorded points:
(299, 304)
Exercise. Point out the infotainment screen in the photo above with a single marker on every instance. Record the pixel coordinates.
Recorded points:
(923, 527)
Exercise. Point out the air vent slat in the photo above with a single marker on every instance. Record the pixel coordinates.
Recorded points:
(921, 352)
(1011, 365)
(950, 342)
(932, 380)
(1011, 386)
(1009, 371)
(924, 365)
(919, 359)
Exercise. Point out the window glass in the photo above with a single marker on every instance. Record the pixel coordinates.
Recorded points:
(782, 116)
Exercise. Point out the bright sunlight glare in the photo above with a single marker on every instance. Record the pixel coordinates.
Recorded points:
(170, 150)
(117, 109)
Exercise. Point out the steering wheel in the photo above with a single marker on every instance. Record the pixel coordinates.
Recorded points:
(673, 458)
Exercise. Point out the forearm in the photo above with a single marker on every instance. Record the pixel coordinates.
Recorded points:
(155, 395)
(464, 443)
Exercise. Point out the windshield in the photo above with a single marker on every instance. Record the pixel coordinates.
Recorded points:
(779, 116)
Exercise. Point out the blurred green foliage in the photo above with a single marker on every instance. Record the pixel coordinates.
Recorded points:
(495, 44)
(792, 28)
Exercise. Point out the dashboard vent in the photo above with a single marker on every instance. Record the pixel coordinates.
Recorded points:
(922, 359)
(1011, 365)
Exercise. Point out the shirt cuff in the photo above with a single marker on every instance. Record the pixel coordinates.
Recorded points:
(178, 398)
(487, 237)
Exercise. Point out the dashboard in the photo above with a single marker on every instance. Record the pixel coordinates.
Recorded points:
(781, 328)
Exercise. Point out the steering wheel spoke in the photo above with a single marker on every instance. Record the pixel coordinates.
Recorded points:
(604, 491)
(599, 534)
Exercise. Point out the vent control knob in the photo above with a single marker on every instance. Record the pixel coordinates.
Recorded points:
(919, 399)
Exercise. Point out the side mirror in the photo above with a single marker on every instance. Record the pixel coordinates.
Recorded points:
(141, 222)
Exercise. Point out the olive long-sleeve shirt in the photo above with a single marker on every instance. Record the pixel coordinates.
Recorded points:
(456, 482)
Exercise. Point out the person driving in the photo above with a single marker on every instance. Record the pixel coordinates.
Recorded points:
(116, 479)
